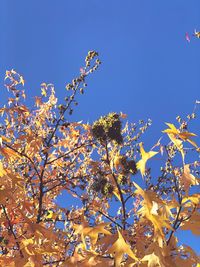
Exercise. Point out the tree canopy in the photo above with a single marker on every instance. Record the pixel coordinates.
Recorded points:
(119, 210)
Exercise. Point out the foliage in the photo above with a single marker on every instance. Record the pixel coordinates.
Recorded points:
(127, 217)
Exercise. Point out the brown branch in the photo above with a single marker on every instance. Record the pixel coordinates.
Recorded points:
(71, 151)
(122, 201)
(177, 220)
(39, 175)
(23, 155)
(129, 197)
(175, 225)
(41, 193)
(12, 231)
(46, 158)
(64, 259)
(119, 190)
(109, 218)
(63, 112)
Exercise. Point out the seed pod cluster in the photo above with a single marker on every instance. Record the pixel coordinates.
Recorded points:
(108, 128)
(78, 84)
(102, 186)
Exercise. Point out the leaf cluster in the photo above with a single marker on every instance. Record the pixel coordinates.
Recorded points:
(124, 201)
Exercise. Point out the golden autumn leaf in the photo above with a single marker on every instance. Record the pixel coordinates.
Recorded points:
(117, 161)
(44, 89)
(49, 214)
(152, 209)
(119, 248)
(141, 164)
(185, 136)
(152, 259)
(192, 223)
(28, 246)
(187, 178)
(116, 193)
(2, 170)
(9, 153)
(93, 232)
(195, 199)
(45, 156)
(5, 139)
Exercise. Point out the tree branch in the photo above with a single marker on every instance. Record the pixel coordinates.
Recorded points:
(12, 231)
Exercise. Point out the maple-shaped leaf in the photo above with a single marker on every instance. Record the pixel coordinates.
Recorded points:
(192, 223)
(187, 179)
(185, 136)
(195, 199)
(85, 230)
(44, 89)
(190, 258)
(153, 260)
(145, 156)
(151, 210)
(119, 248)
(93, 232)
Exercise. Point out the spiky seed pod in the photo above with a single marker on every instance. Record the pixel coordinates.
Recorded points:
(110, 126)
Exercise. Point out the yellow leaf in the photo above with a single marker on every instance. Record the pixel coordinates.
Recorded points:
(172, 129)
(185, 136)
(116, 193)
(49, 214)
(43, 92)
(192, 223)
(2, 170)
(197, 34)
(187, 179)
(145, 156)
(153, 260)
(3, 138)
(22, 80)
(119, 248)
(44, 89)
(153, 211)
(93, 232)
(28, 246)
(195, 199)
(117, 161)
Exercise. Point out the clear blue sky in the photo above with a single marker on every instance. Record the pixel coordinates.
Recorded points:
(148, 69)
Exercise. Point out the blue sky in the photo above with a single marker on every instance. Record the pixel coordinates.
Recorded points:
(148, 69)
